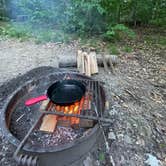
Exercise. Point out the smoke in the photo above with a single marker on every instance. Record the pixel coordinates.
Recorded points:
(45, 20)
(43, 12)
(58, 17)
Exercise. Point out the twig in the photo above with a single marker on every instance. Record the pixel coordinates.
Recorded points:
(131, 94)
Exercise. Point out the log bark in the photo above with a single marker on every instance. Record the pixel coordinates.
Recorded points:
(73, 62)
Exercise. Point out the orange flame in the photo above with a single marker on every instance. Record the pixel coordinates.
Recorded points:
(72, 109)
(75, 108)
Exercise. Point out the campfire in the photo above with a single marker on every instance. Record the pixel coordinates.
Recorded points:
(46, 133)
(49, 122)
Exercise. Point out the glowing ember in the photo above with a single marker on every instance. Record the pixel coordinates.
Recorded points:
(72, 109)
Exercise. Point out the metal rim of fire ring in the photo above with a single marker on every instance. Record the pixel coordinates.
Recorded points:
(12, 139)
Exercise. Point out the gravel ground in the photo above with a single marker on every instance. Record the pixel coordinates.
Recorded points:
(19, 57)
(136, 93)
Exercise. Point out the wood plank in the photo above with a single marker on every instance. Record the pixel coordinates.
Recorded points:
(87, 64)
(93, 63)
(83, 63)
(79, 60)
(44, 105)
(49, 123)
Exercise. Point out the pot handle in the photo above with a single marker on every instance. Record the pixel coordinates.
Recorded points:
(35, 100)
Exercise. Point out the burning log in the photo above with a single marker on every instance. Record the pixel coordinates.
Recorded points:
(50, 121)
(86, 123)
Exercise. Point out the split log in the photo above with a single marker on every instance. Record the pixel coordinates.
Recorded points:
(87, 62)
(49, 121)
(94, 66)
(80, 61)
(44, 105)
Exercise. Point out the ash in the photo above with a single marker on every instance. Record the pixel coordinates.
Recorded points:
(60, 136)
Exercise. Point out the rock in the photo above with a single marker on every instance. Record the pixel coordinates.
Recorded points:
(97, 163)
(111, 136)
(127, 139)
(140, 141)
(152, 160)
(88, 161)
(120, 137)
(113, 111)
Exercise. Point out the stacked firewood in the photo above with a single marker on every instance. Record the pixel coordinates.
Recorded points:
(87, 62)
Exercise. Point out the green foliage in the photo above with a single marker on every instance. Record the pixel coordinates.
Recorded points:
(119, 31)
(159, 22)
(127, 49)
(113, 50)
(155, 39)
(101, 156)
(86, 17)
(108, 18)
(51, 36)
(14, 31)
(24, 32)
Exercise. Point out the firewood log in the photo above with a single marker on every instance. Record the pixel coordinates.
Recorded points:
(49, 121)
(93, 66)
(73, 62)
(87, 64)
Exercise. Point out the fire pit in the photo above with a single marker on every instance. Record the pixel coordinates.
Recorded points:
(73, 136)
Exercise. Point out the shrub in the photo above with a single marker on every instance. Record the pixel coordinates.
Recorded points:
(118, 32)
(127, 49)
(15, 31)
(113, 50)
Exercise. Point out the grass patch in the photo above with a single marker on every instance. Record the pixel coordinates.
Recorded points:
(113, 49)
(49, 35)
(127, 49)
(101, 156)
(15, 31)
(25, 31)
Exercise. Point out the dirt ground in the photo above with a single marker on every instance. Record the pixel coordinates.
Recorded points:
(136, 93)
(19, 57)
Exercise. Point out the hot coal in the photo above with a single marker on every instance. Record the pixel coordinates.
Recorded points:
(24, 117)
(60, 136)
